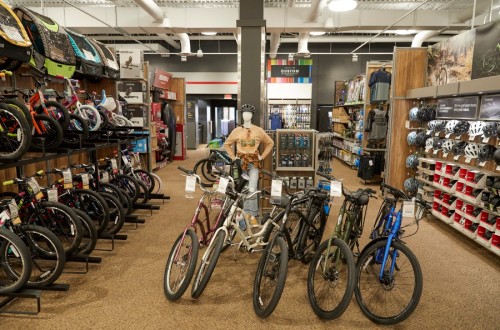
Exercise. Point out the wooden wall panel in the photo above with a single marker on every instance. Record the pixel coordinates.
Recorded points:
(410, 70)
(179, 87)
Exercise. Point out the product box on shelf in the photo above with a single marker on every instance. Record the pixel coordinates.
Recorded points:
(465, 226)
(140, 146)
(156, 112)
(468, 193)
(134, 92)
(495, 244)
(449, 170)
(137, 114)
(427, 163)
(484, 236)
(131, 63)
(488, 220)
(446, 219)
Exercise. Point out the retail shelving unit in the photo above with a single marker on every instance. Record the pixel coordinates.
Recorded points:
(296, 114)
(346, 124)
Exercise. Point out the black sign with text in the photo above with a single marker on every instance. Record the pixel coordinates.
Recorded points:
(458, 107)
(490, 107)
(293, 71)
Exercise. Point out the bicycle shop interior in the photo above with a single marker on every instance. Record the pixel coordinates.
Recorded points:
(298, 163)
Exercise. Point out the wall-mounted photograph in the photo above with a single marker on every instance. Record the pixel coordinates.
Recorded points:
(487, 51)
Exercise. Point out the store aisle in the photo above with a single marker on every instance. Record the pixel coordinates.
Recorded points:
(126, 290)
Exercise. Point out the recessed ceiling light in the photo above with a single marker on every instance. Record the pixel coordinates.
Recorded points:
(317, 33)
(342, 5)
(404, 32)
(209, 33)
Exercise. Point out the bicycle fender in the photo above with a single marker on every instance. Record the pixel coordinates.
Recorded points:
(384, 238)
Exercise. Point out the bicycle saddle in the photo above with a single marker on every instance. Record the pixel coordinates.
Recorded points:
(360, 197)
(282, 202)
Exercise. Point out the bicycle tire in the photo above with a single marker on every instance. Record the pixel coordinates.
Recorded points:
(95, 207)
(206, 171)
(293, 226)
(21, 107)
(368, 258)
(143, 197)
(56, 111)
(158, 183)
(128, 185)
(115, 191)
(92, 116)
(13, 247)
(313, 236)
(13, 123)
(145, 177)
(89, 237)
(206, 268)
(175, 294)
(68, 228)
(42, 276)
(264, 310)
(116, 214)
(77, 129)
(331, 278)
(52, 133)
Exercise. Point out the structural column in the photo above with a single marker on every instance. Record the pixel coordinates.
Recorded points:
(251, 57)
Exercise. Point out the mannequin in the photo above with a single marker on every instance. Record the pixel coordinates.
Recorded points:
(248, 138)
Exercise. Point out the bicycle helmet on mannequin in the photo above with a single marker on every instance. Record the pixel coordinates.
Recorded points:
(448, 145)
(411, 138)
(421, 139)
(490, 129)
(412, 162)
(476, 128)
(247, 108)
(459, 148)
(462, 127)
(438, 144)
(411, 185)
(413, 114)
(496, 156)
(486, 152)
(472, 150)
(450, 126)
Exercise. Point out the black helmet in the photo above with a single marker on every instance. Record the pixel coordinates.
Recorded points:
(421, 138)
(489, 129)
(438, 144)
(496, 156)
(461, 128)
(459, 148)
(486, 152)
(247, 108)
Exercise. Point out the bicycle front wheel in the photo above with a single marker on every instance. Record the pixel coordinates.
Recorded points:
(392, 298)
(50, 135)
(181, 264)
(207, 264)
(331, 279)
(146, 178)
(15, 133)
(14, 255)
(270, 277)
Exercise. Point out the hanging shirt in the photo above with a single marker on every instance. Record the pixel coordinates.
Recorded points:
(248, 140)
(380, 83)
(276, 120)
(377, 124)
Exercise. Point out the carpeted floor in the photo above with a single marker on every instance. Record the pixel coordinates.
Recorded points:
(461, 281)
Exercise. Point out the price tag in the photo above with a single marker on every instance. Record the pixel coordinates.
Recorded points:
(448, 135)
(435, 152)
(68, 179)
(407, 124)
(223, 182)
(409, 209)
(370, 162)
(336, 189)
(105, 177)
(39, 196)
(456, 157)
(125, 160)
(85, 180)
(467, 160)
(445, 155)
(13, 209)
(88, 55)
(52, 195)
(498, 168)
(486, 140)
(482, 164)
(35, 187)
(276, 187)
(457, 137)
(428, 132)
(436, 134)
(12, 33)
(114, 166)
(190, 184)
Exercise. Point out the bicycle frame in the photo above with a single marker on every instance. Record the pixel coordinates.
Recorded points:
(394, 234)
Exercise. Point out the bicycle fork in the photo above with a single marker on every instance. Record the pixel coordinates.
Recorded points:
(387, 248)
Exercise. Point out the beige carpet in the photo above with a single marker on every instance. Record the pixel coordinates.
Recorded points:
(461, 281)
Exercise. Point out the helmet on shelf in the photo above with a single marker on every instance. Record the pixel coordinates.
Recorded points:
(247, 108)
(450, 126)
(438, 144)
(356, 162)
(459, 148)
(496, 156)
(431, 112)
(490, 129)
(486, 152)
(413, 114)
(462, 127)
(411, 185)
(359, 136)
(472, 150)
(411, 138)
(448, 145)
(430, 142)
(421, 139)
(476, 128)
(412, 162)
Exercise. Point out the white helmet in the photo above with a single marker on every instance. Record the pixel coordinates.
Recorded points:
(448, 145)
(472, 150)
(476, 128)
(450, 125)
(429, 143)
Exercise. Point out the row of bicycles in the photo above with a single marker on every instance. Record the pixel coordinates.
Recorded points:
(43, 119)
(384, 276)
(40, 226)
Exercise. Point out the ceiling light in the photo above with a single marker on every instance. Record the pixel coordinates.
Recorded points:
(354, 57)
(317, 33)
(404, 32)
(342, 5)
(209, 33)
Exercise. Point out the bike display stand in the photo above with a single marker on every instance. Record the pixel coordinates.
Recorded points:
(21, 294)
(59, 287)
(82, 258)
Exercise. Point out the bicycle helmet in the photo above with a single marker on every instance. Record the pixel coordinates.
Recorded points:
(421, 139)
(462, 127)
(476, 128)
(431, 112)
(459, 148)
(490, 129)
(247, 108)
(496, 157)
(438, 144)
(450, 126)
(430, 142)
(432, 125)
(486, 152)
(411, 185)
(411, 138)
(413, 114)
(448, 145)
(412, 162)
(472, 150)
(422, 113)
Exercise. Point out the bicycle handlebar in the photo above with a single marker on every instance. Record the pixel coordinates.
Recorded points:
(394, 191)
(8, 182)
(274, 176)
(188, 172)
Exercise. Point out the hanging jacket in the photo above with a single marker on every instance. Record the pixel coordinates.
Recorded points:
(380, 83)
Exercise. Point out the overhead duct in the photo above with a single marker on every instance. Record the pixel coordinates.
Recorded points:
(150, 7)
(169, 40)
(465, 15)
(302, 45)
(316, 9)
(423, 36)
(185, 44)
(275, 41)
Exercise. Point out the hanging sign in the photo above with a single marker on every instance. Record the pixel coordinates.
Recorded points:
(490, 105)
(458, 107)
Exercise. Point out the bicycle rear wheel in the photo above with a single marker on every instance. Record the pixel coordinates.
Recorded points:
(50, 136)
(128, 185)
(116, 213)
(57, 111)
(89, 237)
(78, 129)
(95, 207)
(270, 277)
(146, 178)
(393, 298)
(15, 133)
(331, 279)
(15, 256)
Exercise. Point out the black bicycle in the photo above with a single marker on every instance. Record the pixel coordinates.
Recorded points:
(207, 165)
